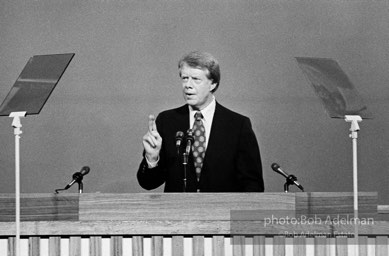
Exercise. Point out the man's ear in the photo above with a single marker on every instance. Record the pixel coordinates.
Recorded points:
(213, 86)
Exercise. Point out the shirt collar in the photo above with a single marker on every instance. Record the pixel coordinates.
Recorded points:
(207, 112)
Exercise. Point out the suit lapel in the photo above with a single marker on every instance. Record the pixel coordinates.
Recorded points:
(182, 121)
(218, 134)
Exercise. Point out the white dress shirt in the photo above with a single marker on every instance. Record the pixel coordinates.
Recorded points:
(208, 113)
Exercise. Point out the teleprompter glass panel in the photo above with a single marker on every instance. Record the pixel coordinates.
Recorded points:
(35, 83)
(333, 87)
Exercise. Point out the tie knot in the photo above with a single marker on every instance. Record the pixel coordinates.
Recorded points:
(198, 116)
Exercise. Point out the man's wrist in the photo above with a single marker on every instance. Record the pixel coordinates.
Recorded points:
(153, 162)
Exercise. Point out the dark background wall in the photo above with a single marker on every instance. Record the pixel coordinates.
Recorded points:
(125, 69)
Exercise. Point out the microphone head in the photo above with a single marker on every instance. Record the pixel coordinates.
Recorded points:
(179, 135)
(275, 166)
(85, 170)
(189, 135)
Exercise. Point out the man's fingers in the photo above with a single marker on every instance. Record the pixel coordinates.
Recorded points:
(152, 125)
(155, 134)
(148, 138)
(153, 139)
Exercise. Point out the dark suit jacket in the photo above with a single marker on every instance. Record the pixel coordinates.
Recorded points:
(232, 160)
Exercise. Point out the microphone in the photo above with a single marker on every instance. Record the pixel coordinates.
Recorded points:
(77, 176)
(179, 138)
(189, 141)
(289, 178)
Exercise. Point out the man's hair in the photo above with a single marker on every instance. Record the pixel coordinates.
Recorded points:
(202, 60)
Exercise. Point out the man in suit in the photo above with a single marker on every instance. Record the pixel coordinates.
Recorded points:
(224, 156)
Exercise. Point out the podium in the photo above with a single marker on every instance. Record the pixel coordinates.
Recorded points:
(198, 223)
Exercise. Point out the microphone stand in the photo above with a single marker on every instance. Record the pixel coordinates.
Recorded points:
(185, 166)
(78, 179)
(185, 156)
(290, 181)
(80, 186)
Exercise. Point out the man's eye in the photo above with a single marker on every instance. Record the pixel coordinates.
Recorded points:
(197, 80)
(185, 78)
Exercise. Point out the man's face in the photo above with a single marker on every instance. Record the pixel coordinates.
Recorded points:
(196, 86)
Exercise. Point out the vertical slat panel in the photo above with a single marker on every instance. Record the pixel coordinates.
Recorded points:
(198, 246)
(341, 246)
(238, 245)
(279, 246)
(75, 246)
(381, 247)
(105, 246)
(44, 247)
(11, 246)
(362, 245)
(95, 246)
(249, 246)
(269, 246)
(320, 246)
(331, 246)
(352, 246)
(54, 246)
(228, 246)
(188, 246)
(137, 246)
(218, 246)
(157, 246)
(3, 246)
(34, 246)
(299, 246)
(177, 246)
(127, 245)
(259, 246)
(289, 246)
(371, 246)
(24, 246)
(65, 246)
(310, 246)
(147, 244)
(116, 246)
(85, 246)
(167, 246)
(207, 246)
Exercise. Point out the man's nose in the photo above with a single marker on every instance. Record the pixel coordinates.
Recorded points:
(188, 83)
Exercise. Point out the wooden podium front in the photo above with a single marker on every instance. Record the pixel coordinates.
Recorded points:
(193, 224)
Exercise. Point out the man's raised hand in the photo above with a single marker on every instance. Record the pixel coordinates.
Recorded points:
(152, 141)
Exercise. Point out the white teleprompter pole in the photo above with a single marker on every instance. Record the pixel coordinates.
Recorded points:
(354, 120)
(16, 124)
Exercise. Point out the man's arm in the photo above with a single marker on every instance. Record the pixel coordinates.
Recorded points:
(150, 174)
(150, 178)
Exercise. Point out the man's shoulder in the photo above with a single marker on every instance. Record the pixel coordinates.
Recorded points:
(175, 111)
(230, 113)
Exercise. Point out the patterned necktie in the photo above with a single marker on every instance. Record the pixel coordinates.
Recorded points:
(199, 143)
